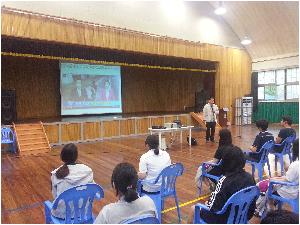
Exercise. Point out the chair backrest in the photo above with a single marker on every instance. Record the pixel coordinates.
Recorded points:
(265, 149)
(239, 204)
(143, 219)
(168, 177)
(7, 135)
(79, 201)
(287, 144)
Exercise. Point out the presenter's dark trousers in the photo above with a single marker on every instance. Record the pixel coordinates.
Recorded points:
(210, 131)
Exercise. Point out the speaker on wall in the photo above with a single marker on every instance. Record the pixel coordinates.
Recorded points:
(8, 107)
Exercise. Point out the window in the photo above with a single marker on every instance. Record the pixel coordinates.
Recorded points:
(279, 85)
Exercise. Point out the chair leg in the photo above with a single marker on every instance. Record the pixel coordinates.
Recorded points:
(282, 165)
(268, 164)
(178, 210)
(260, 172)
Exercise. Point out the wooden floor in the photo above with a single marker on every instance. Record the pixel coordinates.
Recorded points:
(26, 180)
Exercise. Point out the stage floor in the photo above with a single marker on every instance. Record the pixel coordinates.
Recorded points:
(26, 180)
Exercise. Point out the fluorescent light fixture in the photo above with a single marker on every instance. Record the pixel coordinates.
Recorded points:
(246, 41)
(220, 10)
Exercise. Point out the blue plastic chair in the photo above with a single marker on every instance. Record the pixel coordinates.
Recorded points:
(287, 146)
(82, 214)
(265, 149)
(206, 174)
(144, 219)
(168, 178)
(8, 137)
(294, 203)
(239, 204)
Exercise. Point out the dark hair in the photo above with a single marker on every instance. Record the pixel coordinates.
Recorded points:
(211, 97)
(280, 217)
(68, 155)
(124, 179)
(296, 149)
(225, 137)
(153, 142)
(287, 119)
(262, 124)
(233, 159)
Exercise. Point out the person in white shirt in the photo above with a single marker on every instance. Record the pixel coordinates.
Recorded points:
(292, 175)
(210, 111)
(152, 163)
(124, 182)
(69, 175)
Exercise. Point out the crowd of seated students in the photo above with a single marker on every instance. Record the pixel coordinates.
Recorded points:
(125, 177)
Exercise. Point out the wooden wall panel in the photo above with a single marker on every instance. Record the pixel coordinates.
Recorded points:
(142, 125)
(162, 90)
(110, 128)
(36, 83)
(157, 121)
(52, 132)
(127, 127)
(70, 132)
(233, 78)
(91, 130)
(185, 120)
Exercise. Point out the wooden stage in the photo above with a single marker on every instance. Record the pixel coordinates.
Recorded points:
(26, 180)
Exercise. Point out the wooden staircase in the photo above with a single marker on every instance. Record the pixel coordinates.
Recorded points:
(200, 119)
(31, 139)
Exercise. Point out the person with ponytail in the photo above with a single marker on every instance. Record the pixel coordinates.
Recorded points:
(68, 175)
(129, 205)
(152, 163)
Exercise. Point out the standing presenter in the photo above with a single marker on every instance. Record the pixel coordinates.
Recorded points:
(210, 110)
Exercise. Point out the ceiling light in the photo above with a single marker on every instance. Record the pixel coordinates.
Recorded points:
(246, 41)
(220, 10)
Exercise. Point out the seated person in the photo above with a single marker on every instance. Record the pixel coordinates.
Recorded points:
(260, 139)
(289, 192)
(292, 175)
(235, 179)
(281, 217)
(152, 163)
(285, 132)
(224, 141)
(124, 182)
(69, 175)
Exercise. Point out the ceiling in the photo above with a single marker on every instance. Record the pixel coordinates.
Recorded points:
(272, 26)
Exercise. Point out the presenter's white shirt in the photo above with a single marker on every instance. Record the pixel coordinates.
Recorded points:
(152, 165)
(210, 112)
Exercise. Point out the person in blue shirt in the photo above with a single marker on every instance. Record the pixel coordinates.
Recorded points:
(260, 139)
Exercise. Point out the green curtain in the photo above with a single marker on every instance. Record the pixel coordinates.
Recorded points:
(273, 111)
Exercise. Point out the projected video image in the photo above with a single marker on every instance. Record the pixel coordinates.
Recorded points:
(90, 89)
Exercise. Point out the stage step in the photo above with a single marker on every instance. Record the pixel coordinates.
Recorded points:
(31, 139)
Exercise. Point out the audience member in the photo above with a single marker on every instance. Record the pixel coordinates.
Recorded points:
(260, 139)
(225, 140)
(235, 179)
(69, 175)
(285, 132)
(152, 163)
(124, 182)
(290, 192)
(281, 217)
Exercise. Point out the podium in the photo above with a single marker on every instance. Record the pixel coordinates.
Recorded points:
(223, 118)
